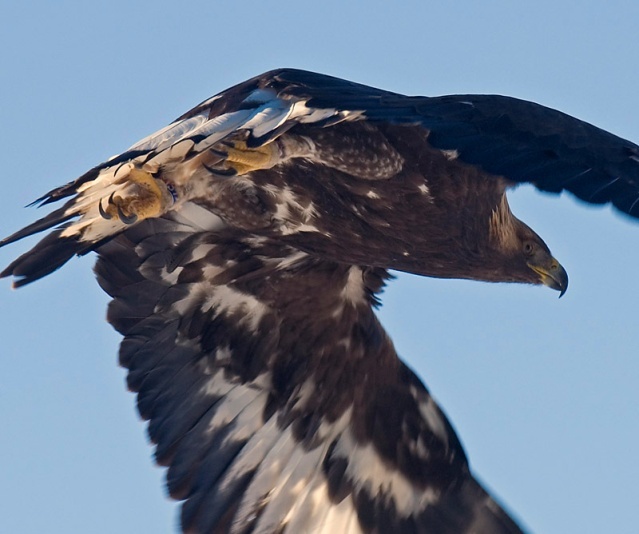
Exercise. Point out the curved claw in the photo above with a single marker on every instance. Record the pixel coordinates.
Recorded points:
(222, 173)
(103, 213)
(220, 153)
(126, 219)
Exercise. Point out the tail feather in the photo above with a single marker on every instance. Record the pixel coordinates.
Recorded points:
(68, 189)
(54, 218)
(51, 253)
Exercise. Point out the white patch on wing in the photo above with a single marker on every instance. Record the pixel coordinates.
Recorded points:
(260, 96)
(289, 209)
(313, 510)
(245, 408)
(268, 117)
(229, 301)
(307, 114)
(200, 251)
(290, 484)
(197, 217)
(288, 230)
(340, 517)
(170, 277)
(288, 492)
(170, 134)
(209, 101)
(175, 153)
(355, 209)
(450, 154)
(194, 296)
(218, 385)
(295, 257)
(242, 403)
(367, 470)
(269, 450)
(423, 188)
(221, 126)
(305, 393)
(428, 408)
(223, 355)
(353, 290)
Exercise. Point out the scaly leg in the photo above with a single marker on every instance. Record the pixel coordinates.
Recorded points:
(142, 196)
(237, 158)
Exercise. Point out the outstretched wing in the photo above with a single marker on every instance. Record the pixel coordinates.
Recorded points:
(503, 136)
(273, 395)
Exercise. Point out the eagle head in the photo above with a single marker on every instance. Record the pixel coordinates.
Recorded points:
(525, 255)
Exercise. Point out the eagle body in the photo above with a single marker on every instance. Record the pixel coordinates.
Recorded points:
(245, 247)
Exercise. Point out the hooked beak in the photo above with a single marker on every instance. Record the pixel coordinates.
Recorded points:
(552, 274)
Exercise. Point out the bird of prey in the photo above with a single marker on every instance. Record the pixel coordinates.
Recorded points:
(245, 247)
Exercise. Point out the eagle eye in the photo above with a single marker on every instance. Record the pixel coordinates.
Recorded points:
(529, 248)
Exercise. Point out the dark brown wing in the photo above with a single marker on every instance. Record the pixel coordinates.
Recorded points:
(274, 396)
(504, 136)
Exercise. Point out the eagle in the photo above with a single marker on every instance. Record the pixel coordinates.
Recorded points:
(245, 247)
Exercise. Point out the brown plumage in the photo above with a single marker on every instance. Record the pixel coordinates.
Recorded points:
(245, 247)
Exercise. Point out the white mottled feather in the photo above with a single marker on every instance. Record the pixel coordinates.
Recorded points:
(296, 469)
(170, 134)
(340, 517)
(197, 217)
(369, 471)
(270, 449)
(227, 301)
(260, 96)
(432, 415)
(268, 117)
(171, 154)
(221, 126)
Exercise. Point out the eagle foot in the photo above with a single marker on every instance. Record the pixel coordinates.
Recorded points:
(237, 158)
(141, 197)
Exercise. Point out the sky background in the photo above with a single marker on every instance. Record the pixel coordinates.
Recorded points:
(543, 392)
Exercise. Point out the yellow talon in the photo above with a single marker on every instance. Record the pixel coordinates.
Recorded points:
(141, 197)
(244, 160)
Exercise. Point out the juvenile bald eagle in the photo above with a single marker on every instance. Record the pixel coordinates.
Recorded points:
(245, 246)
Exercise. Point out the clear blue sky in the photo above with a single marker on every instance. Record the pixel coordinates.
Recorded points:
(543, 392)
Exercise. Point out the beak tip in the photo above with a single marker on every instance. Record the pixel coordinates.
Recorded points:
(552, 275)
(561, 284)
